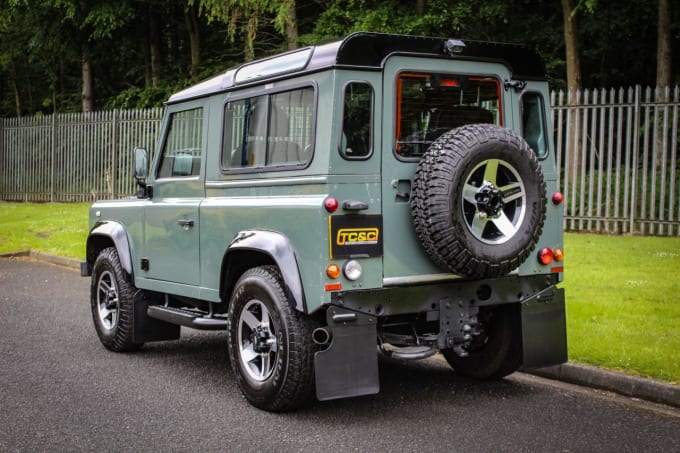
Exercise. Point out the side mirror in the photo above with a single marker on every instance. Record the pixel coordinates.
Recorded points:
(141, 171)
(141, 166)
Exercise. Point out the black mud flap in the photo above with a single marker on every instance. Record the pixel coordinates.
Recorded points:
(146, 328)
(349, 366)
(544, 330)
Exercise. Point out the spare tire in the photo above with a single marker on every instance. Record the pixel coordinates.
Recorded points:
(478, 201)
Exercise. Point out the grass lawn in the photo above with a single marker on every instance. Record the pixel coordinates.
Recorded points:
(622, 311)
(622, 306)
(55, 228)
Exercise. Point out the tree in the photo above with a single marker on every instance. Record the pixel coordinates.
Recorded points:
(286, 21)
(191, 19)
(571, 47)
(85, 23)
(244, 16)
(663, 74)
(573, 82)
(663, 46)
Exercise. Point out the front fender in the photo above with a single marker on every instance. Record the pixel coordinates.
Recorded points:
(101, 236)
(276, 248)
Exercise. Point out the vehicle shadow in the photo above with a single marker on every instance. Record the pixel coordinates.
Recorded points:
(425, 384)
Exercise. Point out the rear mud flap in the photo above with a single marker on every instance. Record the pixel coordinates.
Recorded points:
(349, 366)
(544, 330)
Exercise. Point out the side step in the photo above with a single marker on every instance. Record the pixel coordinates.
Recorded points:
(186, 318)
(408, 352)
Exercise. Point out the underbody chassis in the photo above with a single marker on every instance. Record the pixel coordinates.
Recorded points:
(454, 318)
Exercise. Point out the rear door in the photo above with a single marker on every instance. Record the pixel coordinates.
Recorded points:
(422, 99)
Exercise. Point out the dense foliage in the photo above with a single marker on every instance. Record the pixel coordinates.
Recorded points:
(73, 55)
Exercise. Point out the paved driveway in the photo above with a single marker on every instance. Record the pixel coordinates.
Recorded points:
(60, 390)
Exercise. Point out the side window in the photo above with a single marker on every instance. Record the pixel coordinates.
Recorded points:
(269, 130)
(533, 123)
(355, 142)
(181, 153)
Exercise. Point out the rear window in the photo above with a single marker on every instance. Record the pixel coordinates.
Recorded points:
(429, 104)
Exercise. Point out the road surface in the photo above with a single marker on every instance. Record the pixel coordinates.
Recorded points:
(60, 390)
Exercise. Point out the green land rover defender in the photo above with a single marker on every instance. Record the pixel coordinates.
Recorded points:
(382, 194)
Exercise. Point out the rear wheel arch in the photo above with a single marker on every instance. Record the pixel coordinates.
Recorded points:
(253, 248)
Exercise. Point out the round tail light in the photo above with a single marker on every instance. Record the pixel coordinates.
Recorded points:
(545, 256)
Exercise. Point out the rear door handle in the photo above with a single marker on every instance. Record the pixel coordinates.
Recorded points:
(186, 224)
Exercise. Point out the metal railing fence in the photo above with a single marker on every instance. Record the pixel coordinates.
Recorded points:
(617, 151)
(73, 157)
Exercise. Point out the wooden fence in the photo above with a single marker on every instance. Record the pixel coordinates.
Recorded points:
(617, 151)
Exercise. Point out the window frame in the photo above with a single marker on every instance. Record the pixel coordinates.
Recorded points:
(268, 92)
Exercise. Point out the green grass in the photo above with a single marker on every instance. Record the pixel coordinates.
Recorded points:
(55, 228)
(622, 303)
(623, 310)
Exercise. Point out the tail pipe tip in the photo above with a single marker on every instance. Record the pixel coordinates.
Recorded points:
(321, 336)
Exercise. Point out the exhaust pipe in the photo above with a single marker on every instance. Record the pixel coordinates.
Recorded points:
(321, 336)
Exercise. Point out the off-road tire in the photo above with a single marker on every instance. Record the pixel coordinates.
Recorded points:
(497, 353)
(289, 382)
(111, 301)
(454, 231)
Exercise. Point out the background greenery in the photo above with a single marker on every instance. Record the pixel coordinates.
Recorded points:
(622, 307)
(140, 51)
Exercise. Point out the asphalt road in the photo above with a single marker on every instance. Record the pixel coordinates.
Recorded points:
(60, 390)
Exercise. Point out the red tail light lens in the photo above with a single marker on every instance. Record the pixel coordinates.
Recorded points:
(331, 204)
(557, 198)
(545, 256)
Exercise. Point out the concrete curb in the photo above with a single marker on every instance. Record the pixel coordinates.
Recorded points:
(623, 384)
(583, 375)
(71, 263)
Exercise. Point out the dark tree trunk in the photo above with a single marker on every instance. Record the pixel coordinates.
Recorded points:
(191, 19)
(292, 26)
(663, 75)
(154, 48)
(573, 81)
(663, 46)
(88, 81)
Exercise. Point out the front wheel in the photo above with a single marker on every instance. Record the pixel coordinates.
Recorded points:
(497, 351)
(111, 301)
(270, 343)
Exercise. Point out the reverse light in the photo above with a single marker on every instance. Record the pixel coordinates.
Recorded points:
(557, 198)
(352, 270)
(331, 204)
(333, 271)
(545, 256)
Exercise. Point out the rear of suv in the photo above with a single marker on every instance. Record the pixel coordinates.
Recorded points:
(383, 194)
